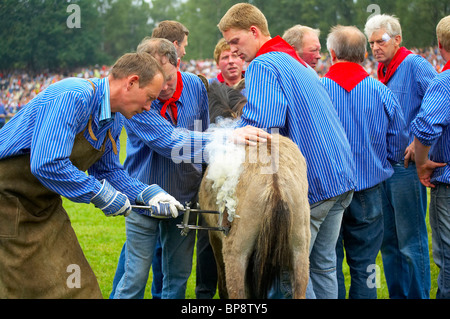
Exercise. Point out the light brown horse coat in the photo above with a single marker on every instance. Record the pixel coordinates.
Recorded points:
(272, 233)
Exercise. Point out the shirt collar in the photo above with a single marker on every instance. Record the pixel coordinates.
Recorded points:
(105, 115)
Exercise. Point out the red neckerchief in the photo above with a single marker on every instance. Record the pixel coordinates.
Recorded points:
(347, 74)
(446, 67)
(401, 54)
(222, 80)
(171, 102)
(278, 44)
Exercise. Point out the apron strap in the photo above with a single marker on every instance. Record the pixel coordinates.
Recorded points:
(114, 144)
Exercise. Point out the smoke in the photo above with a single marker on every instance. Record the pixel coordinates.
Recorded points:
(225, 160)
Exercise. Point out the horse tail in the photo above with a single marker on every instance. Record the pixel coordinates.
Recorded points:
(272, 252)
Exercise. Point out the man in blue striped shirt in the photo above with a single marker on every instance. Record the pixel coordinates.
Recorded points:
(283, 93)
(405, 246)
(71, 127)
(431, 128)
(373, 119)
(151, 162)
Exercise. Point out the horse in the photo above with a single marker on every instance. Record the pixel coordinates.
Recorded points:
(269, 232)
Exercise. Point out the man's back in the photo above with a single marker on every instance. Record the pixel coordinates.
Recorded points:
(284, 94)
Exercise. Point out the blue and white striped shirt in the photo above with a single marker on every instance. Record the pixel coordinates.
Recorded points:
(46, 128)
(284, 94)
(373, 119)
(432, 125)
(160, 152)
(409, 83)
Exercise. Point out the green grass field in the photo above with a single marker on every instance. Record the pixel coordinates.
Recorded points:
(102, 238)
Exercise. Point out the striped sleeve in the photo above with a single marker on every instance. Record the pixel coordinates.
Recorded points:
(435, 112)
(53, 137)
(432, 125)
(172, 142)
(266, 106)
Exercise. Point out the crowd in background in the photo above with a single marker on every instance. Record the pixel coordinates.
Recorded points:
(17, 88)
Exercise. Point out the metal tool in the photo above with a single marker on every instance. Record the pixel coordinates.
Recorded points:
(185, 227)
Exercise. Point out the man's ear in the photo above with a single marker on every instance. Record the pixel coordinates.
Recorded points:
(398, 39)
(132, 80)
(255, 31)
(439, 44)
(333, 55)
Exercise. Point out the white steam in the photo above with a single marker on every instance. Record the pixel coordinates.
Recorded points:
(225, 160)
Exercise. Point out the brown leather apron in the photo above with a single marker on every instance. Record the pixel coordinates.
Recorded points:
(37, 241)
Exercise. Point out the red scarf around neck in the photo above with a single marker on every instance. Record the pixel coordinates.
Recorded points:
(278, 44)
(347, 74)
(398, 58)
(221, 79)
(171, 102)
(446, 67)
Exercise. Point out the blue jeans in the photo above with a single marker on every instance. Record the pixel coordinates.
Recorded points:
(326, 218)
(361, 235)
(157, 282)
(206, 270)
(206, 281)
(136, 257)
(440, 226)
(405, 250)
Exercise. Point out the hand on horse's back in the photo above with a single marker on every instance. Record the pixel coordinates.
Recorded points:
(250, 135)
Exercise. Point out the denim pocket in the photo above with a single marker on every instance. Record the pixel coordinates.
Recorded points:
(9, 216)
(371, 203)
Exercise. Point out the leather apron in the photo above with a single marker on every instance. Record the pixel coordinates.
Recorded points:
(37, 241)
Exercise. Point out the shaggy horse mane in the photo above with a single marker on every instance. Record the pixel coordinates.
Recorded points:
(224, 101)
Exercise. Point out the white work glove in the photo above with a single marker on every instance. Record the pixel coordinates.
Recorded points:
(163, 205)
(111, 201)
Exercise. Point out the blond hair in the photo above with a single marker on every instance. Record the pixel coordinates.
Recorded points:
(140, 64)
(443, 33)
(221, 46)
(294, 36)
(242, 16)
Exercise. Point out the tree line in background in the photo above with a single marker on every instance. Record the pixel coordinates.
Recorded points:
(38, 35)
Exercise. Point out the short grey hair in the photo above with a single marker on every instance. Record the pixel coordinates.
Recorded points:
(294, 35)
(159, 48)
(383, 21)
(348, 42)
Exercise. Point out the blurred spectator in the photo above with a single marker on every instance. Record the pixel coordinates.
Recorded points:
(18, 88)
(3, 114)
